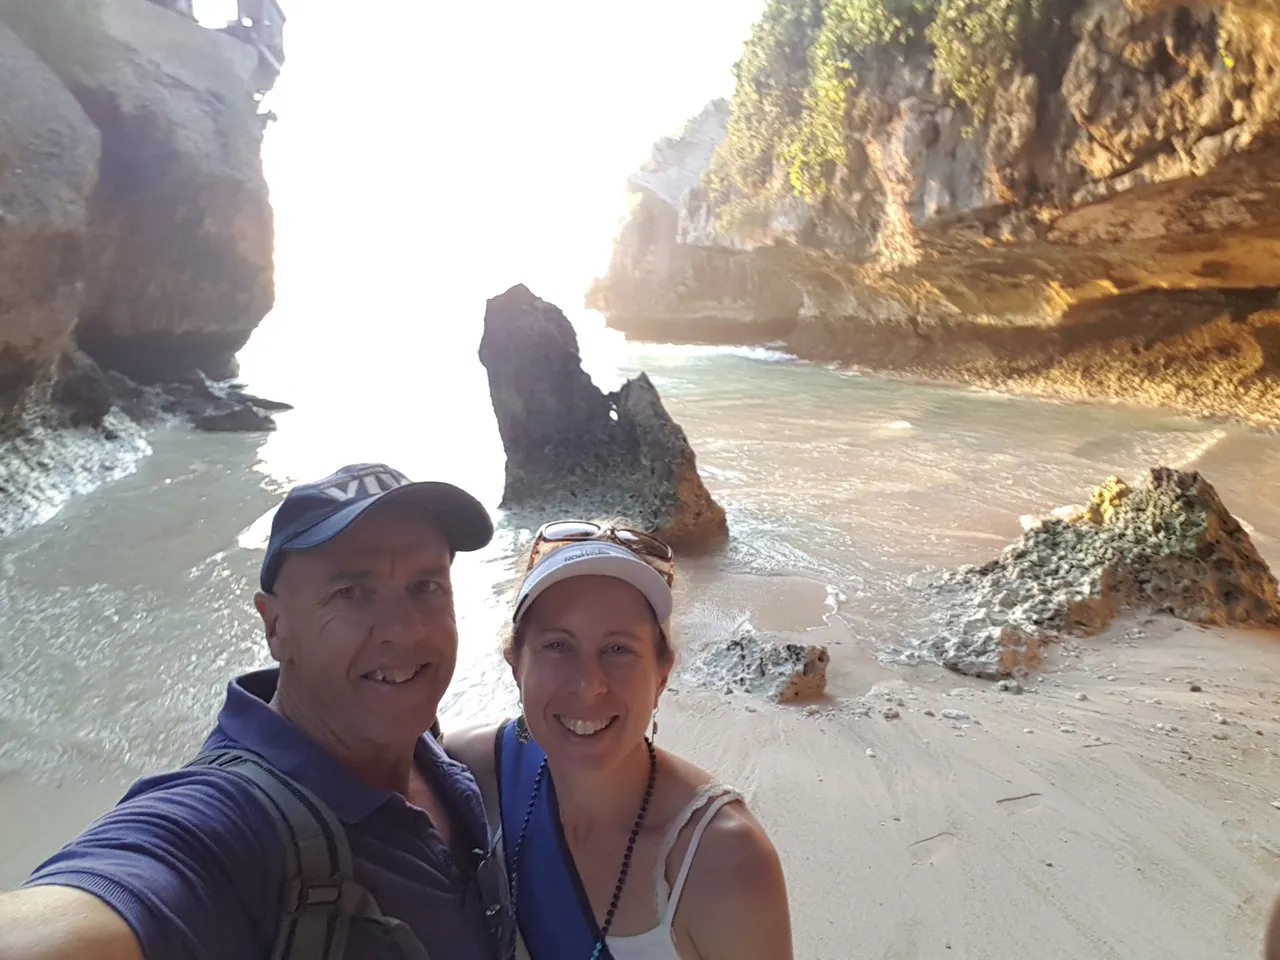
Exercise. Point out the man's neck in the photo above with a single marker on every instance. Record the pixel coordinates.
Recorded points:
(601, 801)
(378, 765)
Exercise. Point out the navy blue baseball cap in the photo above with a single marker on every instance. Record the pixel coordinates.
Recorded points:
(314, 513)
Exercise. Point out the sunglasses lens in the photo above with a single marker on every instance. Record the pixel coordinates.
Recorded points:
(569, 530)
(645, 544)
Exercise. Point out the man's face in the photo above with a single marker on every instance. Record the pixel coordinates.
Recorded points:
(363, 627)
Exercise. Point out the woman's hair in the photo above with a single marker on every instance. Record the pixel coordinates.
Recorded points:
(513, 634)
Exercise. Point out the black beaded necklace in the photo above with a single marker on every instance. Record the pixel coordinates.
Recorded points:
(626, 857)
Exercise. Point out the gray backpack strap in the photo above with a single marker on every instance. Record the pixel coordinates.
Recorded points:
(320, 895)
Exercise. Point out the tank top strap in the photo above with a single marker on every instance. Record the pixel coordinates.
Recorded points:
(667, 898)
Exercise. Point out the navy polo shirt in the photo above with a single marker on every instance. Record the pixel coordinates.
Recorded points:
(192, 861)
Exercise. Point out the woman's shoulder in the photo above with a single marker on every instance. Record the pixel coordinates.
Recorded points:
(685, 777)
(474, 746)
(734, 872)
(731, 838)
(735, 848)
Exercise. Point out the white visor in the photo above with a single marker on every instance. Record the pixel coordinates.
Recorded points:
(598, 558)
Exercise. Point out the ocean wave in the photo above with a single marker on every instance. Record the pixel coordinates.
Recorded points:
(44, 466)
(770, 353)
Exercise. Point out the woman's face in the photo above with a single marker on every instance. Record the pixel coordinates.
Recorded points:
(588, 670)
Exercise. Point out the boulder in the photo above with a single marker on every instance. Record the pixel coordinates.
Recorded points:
(48, 168)
(235, 419)
(573, 451)
(180, 268)
(1168, 545)
(774, 667)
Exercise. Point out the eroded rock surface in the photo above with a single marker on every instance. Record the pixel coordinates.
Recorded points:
(774, 667)
(573, 451)
(1168, 545)
(1108, 229)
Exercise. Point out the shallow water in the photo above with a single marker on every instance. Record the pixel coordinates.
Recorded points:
(124, 616)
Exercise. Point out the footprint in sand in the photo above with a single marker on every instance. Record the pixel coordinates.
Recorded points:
(940, 849)
(1021, 804)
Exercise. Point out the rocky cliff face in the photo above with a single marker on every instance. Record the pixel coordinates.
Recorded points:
(49, 154)
(1109, 225)
(135, 232)
(180, 252)
(139, 152)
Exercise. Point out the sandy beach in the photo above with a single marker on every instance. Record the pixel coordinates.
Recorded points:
(1106, 812)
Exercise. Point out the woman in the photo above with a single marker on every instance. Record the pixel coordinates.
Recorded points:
(613, 846)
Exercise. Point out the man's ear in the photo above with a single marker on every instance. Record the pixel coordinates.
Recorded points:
(268, 607)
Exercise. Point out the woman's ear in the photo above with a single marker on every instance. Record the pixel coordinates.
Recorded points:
(663, 678)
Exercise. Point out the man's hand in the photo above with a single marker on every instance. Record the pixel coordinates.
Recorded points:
(61, 923)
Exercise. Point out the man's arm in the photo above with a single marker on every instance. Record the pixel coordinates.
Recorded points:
(187, 867)
(62, 923)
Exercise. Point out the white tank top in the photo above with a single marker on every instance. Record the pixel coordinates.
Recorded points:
(659, 943)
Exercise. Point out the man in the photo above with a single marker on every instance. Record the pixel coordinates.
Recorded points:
(320, 822)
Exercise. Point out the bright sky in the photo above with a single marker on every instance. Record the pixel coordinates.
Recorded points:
(475, 145)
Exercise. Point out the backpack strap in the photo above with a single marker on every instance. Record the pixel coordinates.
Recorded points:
(320, 898)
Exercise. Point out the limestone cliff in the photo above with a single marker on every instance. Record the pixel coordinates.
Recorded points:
(49, 154)
(180, 245)
(1096, 215)
(136, 232)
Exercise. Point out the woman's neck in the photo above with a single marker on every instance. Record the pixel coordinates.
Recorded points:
(604, 800)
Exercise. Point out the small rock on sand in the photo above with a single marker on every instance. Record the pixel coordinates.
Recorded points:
(891, 713)
(1196, 688)
(954, 715)
(871, 753)
(1082, 696)
(1276, 804)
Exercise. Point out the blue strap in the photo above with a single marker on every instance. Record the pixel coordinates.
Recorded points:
(554, 913)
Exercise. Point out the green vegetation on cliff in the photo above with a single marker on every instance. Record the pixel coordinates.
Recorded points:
(796, 83)
(63, 33)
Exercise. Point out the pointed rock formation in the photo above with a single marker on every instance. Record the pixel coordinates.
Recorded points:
(574, 451)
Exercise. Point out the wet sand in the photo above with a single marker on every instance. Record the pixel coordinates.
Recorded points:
(1128, 824)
